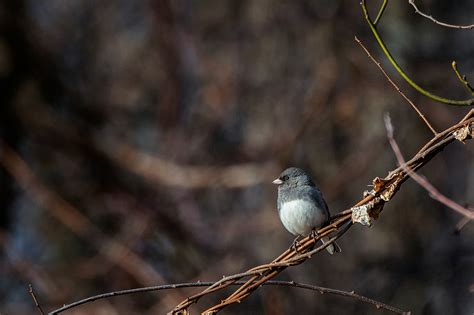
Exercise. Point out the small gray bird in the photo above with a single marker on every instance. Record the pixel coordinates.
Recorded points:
(301, 205)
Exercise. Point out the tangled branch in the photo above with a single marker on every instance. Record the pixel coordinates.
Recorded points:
(35, 300)
(363, 212)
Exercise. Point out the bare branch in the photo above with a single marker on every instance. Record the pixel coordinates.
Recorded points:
(396, 87)
(262, 272)
(384, 189)
(429, 17)
(434, 193)
(33, 296)
(322, 290)
(381, 11)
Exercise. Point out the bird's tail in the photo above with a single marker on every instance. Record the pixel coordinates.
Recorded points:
(331, 248)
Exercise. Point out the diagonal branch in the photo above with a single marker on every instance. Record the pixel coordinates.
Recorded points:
(384, 189)
(462, 78)
(35, 300)
(434, 193)
(396, 87)
(381, 11)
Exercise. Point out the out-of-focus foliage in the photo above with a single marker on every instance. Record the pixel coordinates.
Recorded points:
(130, 113)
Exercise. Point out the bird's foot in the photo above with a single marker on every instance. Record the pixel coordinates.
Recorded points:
(313, 234)
(294, 245)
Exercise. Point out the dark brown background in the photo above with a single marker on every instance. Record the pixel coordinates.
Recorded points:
(154, 129)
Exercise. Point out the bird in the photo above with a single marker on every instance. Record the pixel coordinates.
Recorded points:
(301, 206)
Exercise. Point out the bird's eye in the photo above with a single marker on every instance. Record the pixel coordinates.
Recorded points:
(285, 178)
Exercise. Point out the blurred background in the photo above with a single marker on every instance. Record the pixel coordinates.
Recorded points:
(139, 140)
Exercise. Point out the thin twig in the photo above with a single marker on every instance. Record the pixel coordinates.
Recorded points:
(462, 78)
(434, 193)
(429, 17)
(381, 11)
(33, 296)
(396, 87)
(461, 224)
(397, 67)
(267, 271)
(352, 294)
(464, 122)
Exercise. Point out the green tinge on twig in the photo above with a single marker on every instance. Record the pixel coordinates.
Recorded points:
(381, 11)
(462, 78)
(434, 97)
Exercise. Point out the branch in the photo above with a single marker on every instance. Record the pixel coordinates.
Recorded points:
(434, 193)
(322, 290)
(33, 296)
(462, 78)
(429, 17)
(381, 11)
(373, 202)
(265, 272)
(396, 87)
(430, 95)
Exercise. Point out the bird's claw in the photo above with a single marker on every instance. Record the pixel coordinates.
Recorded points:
(294, 245)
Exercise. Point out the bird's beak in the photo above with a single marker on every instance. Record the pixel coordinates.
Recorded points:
(277, 181)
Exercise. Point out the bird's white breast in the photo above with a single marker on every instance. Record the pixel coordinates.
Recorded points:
(300, 216)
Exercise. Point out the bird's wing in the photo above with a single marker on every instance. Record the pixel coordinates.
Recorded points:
(326, 206)
(317, 197)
